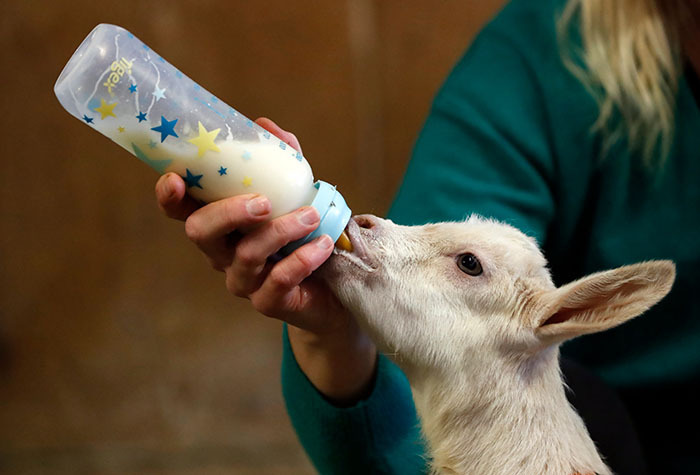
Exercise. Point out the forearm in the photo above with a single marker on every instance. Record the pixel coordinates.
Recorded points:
(376, 430)
(341, 366)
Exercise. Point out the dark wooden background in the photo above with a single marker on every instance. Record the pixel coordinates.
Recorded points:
(120, 349)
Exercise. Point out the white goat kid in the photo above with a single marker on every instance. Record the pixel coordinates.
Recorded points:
(469, 312)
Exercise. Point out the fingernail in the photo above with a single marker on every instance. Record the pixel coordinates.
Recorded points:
(258, 206)
(324, 242)
(308, 216)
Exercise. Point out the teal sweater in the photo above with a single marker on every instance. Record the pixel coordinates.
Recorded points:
(509, 137)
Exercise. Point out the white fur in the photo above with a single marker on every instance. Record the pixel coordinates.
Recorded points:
(481, 352)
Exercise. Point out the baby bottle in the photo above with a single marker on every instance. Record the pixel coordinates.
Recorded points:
(117, 85)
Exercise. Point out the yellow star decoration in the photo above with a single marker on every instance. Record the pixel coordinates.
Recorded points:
(121, 129)
(247, 181)
(105, 109)
(205, 140)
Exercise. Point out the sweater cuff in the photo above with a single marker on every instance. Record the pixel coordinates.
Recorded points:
(379, 433)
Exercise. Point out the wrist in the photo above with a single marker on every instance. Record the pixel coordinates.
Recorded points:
(341, 365)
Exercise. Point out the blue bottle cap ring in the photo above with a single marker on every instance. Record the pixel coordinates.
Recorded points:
(334, 213)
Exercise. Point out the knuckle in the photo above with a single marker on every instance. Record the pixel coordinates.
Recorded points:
(262, 304)
(281, 280)
(304, 261)
(246, 256)
(232, 209)
(281, 227)
(193, 230)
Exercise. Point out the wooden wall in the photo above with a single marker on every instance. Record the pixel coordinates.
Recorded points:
(120, 350)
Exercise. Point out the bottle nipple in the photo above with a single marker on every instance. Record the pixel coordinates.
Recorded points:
(344, 242)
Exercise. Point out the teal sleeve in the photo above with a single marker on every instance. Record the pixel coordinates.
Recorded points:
(377, 435)
(484, 148)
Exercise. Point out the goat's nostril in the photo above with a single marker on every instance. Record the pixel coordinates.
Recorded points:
(364, 222)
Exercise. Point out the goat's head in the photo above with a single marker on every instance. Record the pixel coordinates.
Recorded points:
(452, 295)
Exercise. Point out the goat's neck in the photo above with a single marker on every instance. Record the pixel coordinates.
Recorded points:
(511, 418)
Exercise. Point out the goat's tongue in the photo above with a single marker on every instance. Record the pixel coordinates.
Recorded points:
(344, 242)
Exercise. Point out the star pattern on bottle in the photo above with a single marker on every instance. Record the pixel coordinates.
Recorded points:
(166, 128)
(158, 93)
(158, 165)
(283, 145)
(88, 120)
(299, 156)
(132, 88)
(247, 181)
(222, 171)
(205, 140)
(106, 109)
(120, 129)
(141, 117)
(246, 155)
(192, 180)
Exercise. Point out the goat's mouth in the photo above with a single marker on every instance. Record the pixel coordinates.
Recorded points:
(360, 254)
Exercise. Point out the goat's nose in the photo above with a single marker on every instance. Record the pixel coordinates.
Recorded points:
(367, 221)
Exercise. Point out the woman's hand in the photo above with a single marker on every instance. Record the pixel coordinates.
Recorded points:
(336, 356)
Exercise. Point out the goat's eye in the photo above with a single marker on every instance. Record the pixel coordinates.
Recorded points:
(469, 264)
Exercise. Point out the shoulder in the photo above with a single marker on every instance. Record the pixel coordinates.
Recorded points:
(529, 27)
(528, 16)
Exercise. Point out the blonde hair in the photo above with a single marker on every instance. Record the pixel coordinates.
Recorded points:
(631, 62)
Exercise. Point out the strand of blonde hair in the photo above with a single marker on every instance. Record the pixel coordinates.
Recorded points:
(631, 62)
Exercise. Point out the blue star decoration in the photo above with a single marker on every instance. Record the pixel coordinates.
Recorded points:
(222, 171)
(283, 145)
(132, 88)
(178, 74)
(141, 117)
(299, 156)
(158, 165)
(88, 120)
(192, 180)
(166, 128)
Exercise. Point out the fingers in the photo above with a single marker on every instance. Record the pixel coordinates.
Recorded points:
(209, 226)
(280, 292)
(254, 249)
(287, 137)
(172, 199)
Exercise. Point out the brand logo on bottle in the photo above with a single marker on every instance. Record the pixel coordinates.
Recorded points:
(118, 69)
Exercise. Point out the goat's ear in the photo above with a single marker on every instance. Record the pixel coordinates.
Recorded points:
(604, 300)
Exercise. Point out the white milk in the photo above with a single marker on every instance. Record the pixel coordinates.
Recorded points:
(261, 166)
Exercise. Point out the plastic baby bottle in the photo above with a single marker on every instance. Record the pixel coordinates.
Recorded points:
(117, 85)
